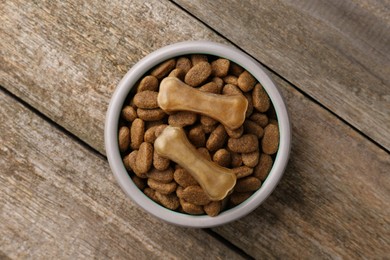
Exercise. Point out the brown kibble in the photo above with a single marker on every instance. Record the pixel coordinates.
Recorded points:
(151, 194)
(246, 81)
(164, 176)
(151, 114)
(179, 191)
(250, 159)
(204, 152)
(197, 136)
(195, 195)
(260, 119)
(230, 89)
(239, 197)
(198, 58)
(126, 162)
(137, 132)
(247, 184)
(219, 82)
(260, 98)
(249, 110)
(177, 73)
(184, 64)
(184, 178)
(209, 128)
(148, 83)
(236, 160)
(251, 127)
(164, 188)
(124, 138)
(245, 144)
(163, 69)
(132, 162)
(263, 167)
(222, 157)
(213, 208)
(144, 157)
(159, 129)
(235, 69)
(146, 99)
(207, 121)
(140, 183)
(242, 171)
(211, 87)
(129, 114)
(191, 208)
(159, 162)
(217, 138)
(198, 74)
(182, 118)
(230, 79)
(236, 133)
(270, 141)
(220, 67)
(150, 135)
(170, 201)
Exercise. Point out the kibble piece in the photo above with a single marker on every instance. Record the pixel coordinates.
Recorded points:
(242, 171)
(236, 160)
(219, 82)
(195, 195)
(235, 69)
(165, 176)
(198, 74)
(217, 138)
(159, 129)
(177, 73)
(263, 167)
(230, 79)
(191, 208)
(230, 89)
(204, 152)
(184, 64)
(140, 183)
(211, 87)
(209, 128)
(247, 184)
(150, 124)
(182, 118)
(150, 135)
(124, 138)
(159, 162)
(250, 159)
(207, 121)
(132, 161)
(249, 110)
(198, 58)
(220, 67)
(144, 157)
(239, 197)
(129, 114)
(179, 191)
(260, 98)
(146, 99)
(137, 132)
(270, 141)
(170, 201)
(151, 114)
(222, 157)
(148, 83)
(251, 127)
(260, 119)
(183, 178)
(197, 136)
(246, 81)
(245, 144)
(164, 188)
(163, 69)
(151, 194)
(126, 162)
(213, 208)
(236, 133)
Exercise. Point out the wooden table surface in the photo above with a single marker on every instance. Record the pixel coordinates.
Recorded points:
(61, 61)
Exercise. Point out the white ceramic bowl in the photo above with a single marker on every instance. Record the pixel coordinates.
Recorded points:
(129, 81)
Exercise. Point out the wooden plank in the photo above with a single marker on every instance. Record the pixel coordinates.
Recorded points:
(338, 52)
(58, 56)
(333, 201)
(59, 200)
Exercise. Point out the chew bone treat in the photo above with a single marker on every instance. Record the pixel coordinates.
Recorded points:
(175, 95)
(215, 180)
(221, 138)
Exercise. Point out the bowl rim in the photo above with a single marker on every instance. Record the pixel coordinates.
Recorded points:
(129, 81)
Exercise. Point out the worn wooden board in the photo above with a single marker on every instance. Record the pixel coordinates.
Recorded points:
(65, 58)
(59, 200)
(338, 52)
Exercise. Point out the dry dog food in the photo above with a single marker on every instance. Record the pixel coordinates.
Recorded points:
(244, 142)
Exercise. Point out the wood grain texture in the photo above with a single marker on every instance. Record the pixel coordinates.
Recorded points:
(338, 52)
(58, 200)
(62, 55)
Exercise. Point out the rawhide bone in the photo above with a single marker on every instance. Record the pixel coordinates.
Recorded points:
(215, 180)
(175, 95)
